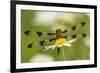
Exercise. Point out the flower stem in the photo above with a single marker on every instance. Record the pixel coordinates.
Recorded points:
(63, 54)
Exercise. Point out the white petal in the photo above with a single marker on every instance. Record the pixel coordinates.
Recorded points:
(54, 46)
(61, 45)
(70, 41)
(66, 44)
(48, 47)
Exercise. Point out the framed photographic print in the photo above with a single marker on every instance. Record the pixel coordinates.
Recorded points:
(52, 36)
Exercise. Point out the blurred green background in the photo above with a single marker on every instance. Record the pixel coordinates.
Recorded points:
(47, 21)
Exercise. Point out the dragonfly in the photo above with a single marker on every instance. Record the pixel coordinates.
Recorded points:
(58, 35)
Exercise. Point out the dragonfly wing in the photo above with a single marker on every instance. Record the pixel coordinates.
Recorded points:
(83, 23)
(52, 39)
(74, 27)
(27, 32)
(74, 36)
(64, 31)
(42, 42)
(51, 34)
(30, 45)
(39, 33)
(84, 35)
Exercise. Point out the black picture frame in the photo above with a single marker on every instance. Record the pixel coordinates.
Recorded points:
(13, 35)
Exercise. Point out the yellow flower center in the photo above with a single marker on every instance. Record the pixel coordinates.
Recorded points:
(60, 41)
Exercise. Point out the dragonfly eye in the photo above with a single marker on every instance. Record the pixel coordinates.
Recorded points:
(58, 31)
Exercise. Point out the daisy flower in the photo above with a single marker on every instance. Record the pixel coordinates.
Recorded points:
(60, 42)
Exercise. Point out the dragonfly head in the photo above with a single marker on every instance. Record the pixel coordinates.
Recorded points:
(58, 33)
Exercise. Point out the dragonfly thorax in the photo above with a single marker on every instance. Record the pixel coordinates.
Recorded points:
(59, 34)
